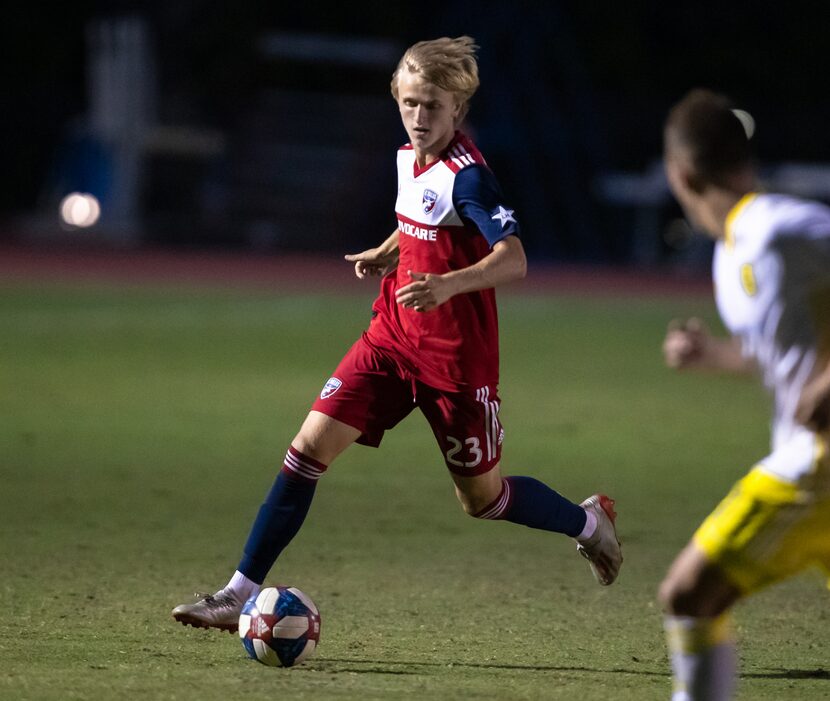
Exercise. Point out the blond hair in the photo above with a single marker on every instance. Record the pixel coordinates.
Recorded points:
(449, 64)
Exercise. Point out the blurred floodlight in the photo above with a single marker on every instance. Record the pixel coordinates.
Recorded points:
(80, 209)
(747, 121)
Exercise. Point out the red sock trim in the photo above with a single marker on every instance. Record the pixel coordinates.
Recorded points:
(497, 508)
(298, 465)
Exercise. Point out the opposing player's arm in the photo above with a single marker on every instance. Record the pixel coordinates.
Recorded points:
(813, 408)
(505, 263)
(376, 261)
(689, 345)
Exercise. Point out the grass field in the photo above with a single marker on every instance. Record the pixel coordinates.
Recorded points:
(141, 427)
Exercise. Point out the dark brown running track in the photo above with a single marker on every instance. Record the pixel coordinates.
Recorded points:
(302, 273)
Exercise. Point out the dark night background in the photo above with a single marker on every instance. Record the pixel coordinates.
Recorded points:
(573, 93)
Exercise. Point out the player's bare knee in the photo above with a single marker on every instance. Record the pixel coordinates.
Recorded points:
(469, 504)
(666, 593)
(679, 598)
(323, 438)
(477, 494)
(472, 503)
(676, 596)
(309, 448)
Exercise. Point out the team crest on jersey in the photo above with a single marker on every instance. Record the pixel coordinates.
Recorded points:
(748, 280)
(429, 200)
(331, 386)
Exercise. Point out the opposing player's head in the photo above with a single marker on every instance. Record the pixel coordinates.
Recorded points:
(706, 147)
(432, 85)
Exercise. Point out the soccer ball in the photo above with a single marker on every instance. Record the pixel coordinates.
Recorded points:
(280, 626)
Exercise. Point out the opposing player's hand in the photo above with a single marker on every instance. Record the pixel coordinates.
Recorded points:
(685, 343)
(372, 262)
(425, 292)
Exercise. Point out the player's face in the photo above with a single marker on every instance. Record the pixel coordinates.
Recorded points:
(428, 113)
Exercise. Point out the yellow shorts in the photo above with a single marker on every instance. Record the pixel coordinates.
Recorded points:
(766, 530)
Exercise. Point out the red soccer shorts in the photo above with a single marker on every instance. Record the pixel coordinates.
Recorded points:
(373, 391)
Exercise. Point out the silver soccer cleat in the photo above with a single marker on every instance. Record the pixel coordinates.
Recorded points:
(602, 549)
(220, 610)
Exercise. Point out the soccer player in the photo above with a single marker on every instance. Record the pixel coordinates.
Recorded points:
(772, 287)
(432, 342)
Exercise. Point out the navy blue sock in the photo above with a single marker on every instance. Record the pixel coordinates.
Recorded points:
(531, 503)
(281, 515)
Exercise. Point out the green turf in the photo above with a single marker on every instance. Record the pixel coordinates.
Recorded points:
(140, 429)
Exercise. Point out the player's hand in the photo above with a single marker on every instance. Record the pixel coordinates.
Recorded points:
(426, 292)
(813, 409)
(372, 262)
(685, 343)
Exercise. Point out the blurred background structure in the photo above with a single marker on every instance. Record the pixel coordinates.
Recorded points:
(269, 127)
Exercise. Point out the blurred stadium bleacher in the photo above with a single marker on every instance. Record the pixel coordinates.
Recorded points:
(211, 125)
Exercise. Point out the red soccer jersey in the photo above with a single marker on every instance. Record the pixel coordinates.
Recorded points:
(450, 214)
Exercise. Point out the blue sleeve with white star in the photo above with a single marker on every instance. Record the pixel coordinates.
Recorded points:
(478, 198)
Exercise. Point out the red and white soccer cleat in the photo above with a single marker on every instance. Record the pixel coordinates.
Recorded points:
(220, 610)
(602, 549)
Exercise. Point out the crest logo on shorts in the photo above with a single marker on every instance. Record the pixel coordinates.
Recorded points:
(331, 386)
(429, 200)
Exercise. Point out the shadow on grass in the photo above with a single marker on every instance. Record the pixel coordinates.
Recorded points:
(790, 674)
(386, 667)
(358, 666)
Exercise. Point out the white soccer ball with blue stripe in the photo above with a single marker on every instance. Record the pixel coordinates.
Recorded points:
(280, 626)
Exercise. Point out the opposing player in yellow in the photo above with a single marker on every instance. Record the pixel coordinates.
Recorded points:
(772, 286)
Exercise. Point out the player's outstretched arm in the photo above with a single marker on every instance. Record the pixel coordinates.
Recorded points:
(689, 345)
(813, 409)
(376, 261)
(505, 263)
